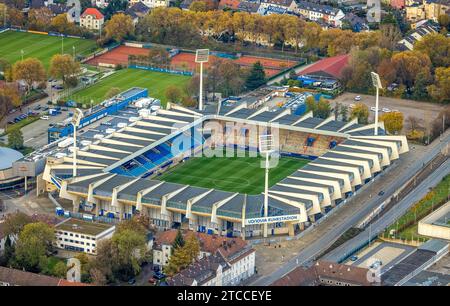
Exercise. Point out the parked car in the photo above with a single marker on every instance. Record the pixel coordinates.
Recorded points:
(351, 105)
(354, 258)
(373, 108)
(385, 110)
(376, 264)
(37, 107)
(45, 118)
(381, 193)
(358, 98)
(132, 281)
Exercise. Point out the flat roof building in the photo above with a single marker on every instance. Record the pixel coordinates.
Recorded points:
(81, 236)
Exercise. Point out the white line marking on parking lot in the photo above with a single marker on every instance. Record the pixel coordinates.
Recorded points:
(29, 139)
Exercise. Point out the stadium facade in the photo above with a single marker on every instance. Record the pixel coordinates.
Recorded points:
(117, 174)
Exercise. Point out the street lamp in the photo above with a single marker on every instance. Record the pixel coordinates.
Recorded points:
(201, 56)
(76, 118)
(377, 84)
(266, 147)
(21, 53)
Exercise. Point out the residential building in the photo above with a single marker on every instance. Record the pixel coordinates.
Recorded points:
(229, 4)
(284, 5)
(232, 263)
(137, 10)
(92, 19)
(72, 8)
(315, 12)
(325, 273)
(356, 23)
(398, 4)
(248, 6)
(426, 9)
(82, 236)
(100, 3)
(151, 3)
(209, 244)
(408, 42)
(14, 277)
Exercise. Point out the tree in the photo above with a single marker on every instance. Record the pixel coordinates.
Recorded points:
(15, 222)
(64, 66)
(40, 18)
(34, 242)
(393, 122)
(173, 94)
(15, 139)
(119, 27)
(4, 14)
(361, 112)
(198, 6)
(344, 113)
(179, 240)
(408, 64)
(311, 105)
(437, 47)
(60, 269)
(130, 248)
(183, 256)
(444, 20)
(16, 17)
(113, 91)
(256, 77)
(390, 35)
(10, 96)
(440, 90)
(61, 24)
(323, 108)
(29, 70)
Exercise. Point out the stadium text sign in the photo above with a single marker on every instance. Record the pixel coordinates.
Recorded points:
(273, 219)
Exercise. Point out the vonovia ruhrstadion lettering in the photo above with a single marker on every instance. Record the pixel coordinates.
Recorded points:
(272, 219)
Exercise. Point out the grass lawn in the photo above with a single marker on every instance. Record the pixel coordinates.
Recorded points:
(40, 46)
(156, 82)
(235, 174)
(407, 224)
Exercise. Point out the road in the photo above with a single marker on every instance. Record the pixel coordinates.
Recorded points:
(397, 211)
(360, 206)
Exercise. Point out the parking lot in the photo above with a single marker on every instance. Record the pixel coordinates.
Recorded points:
(422, 110)
(385, 252)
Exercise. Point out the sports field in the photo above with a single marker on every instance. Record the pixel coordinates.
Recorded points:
(235, 174)
(40, 46)
(156, 82)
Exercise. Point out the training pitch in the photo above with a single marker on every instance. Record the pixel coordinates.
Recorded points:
(156, 82)
(234, 174)
(41, 46)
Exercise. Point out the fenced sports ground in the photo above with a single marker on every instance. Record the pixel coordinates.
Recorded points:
(41, 46)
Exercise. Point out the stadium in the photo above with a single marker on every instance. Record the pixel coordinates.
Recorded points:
(158, 165)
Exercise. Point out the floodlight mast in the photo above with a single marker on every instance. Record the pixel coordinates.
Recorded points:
(377, 84)
(77, 115)
(201, 56)
(266, 147)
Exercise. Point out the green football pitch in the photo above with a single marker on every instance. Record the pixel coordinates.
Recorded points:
(156, 82)
(235, 174)
(41, 46)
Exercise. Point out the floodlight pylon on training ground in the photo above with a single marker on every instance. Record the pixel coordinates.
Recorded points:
(377, 84)
(266, 147)
(201, 56)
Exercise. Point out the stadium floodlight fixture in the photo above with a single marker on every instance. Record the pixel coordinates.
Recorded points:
(76, 119)
(377, 84)
(266, 146)
(201, 56)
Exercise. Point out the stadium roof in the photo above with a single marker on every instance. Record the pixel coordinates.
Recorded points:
(8, 156)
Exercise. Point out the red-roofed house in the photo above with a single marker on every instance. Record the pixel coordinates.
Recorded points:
(230, 4)
(92, 19)
(327, 72)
